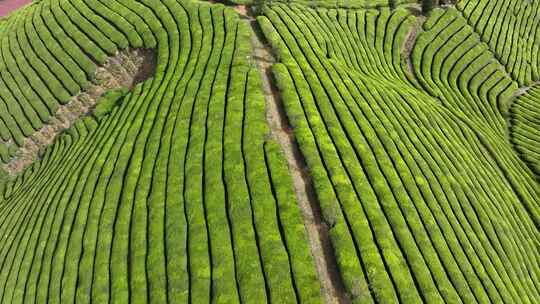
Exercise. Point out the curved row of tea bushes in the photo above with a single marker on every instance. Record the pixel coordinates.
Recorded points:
(452, 65)
(417, 209)
(341, 3)
(33, 80)
(511, 28)
(525, 127)
(333, 3)
(175, 194)
(49, 54)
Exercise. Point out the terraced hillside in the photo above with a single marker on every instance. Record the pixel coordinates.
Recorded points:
(175, 195)
(511, 30)
(525, 128)
(416, 177)
(181, 151)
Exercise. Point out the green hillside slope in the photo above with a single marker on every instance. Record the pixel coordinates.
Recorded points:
(270, 152)
(175, 195)
(511, 30)
(424, 195)
(525, 128)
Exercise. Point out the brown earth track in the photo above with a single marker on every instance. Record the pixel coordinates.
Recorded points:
(410, 41)
(333, 289)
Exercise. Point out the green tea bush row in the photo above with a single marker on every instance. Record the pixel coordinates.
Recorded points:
(450, 59)
(511, 30)
(167, 195)
(524, 132)
(416, 166)
(477, 90)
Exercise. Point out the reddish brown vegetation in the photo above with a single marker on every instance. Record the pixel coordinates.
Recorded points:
(7, 6)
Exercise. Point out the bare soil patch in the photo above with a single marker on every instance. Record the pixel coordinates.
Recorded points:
(409, 43)
(523, 90)
(242, 10)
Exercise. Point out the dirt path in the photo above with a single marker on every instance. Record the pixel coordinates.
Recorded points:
(332, 286)
(124, 70)
(409, 43)
(523, 90)
(510, 117)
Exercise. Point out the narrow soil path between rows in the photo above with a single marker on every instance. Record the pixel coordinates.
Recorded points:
(410, 41)
(524, 89)
(509, 117)
(124, 70)
(332, 286)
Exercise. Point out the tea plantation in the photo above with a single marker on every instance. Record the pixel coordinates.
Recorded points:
(270, 152)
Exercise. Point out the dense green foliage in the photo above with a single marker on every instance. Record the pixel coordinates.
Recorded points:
(174, 194)
(45, 59)
(421, 136)
(424, 195)
(108, 101)
(512, 30)
(525, 128)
